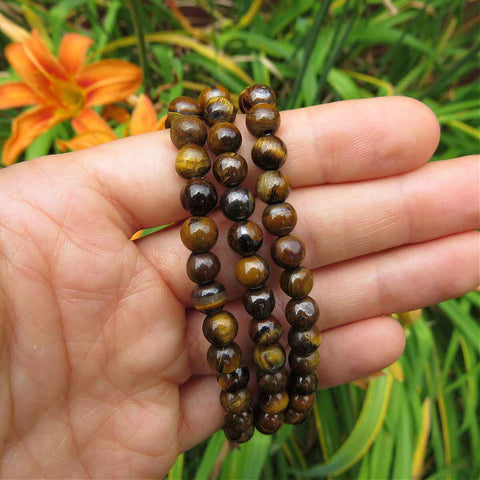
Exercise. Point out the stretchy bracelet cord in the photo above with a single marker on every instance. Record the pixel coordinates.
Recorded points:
(279, 218)
(199, 234)
(252, 271)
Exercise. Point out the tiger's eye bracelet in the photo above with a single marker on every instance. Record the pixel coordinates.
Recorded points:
(199, 234)
(279, 218)
(252, 271)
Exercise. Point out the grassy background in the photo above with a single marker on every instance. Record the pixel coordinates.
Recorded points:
(419, 420)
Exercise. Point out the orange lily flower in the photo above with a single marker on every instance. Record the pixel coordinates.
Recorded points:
(59, 88)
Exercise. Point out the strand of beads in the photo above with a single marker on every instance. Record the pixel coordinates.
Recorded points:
(199, 234)
(245, 237)
(279, 218)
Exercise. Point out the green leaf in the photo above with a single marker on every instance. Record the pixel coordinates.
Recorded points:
(210, 456)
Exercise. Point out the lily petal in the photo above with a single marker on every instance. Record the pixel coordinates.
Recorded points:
(73, 49)
(85, 140)
(28, 126)
(144, 118)
(109, 81)
(17, 94)
(88, 120)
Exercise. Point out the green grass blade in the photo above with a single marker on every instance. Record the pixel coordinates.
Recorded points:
(209, 458)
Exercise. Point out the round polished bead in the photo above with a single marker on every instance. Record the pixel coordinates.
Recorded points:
(203, 267)
(269, 358)
(192, 161)
(272, 382)
(279, 219)
(230, 169)
(302, 314)
(269, 153)
(304, 341)
(188, 129)
(220, 328)
(265, 331)
(268, 424)
(301, 403)
(252, 272)
(199, 234)
(274, 402)
(254, 94)
(234, 381)
(224, 137)
(292, 417)
(259, 303)
(210, 297)
(212, 92)
(303, 384)
(237, 203)
(198, 196)
(183, 106)
(288, 251)
(263, 119)
(224, 358)
(304, 364)
(219, 109)
(236, 402)
(245, 238)
(238, 424)
(273, 187)
(297, 283)
(243, 437)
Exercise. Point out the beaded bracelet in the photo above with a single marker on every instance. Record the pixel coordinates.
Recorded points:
(279, 218)
(252, 271)
(199, 234)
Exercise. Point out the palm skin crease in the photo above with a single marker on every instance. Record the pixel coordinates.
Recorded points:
(102, 360)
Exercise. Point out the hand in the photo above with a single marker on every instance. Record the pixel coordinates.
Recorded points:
(103, 369)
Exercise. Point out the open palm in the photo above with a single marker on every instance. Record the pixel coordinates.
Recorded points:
(102, 360)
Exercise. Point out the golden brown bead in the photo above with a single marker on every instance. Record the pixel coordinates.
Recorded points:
(259, 303)
(209, 297)
(183, 106)
(234, 381)
(203, 267)
(274, 402)
(269, 358)
(265, 331)
(254, 94)
(273, 187)
(288, 251)
(303, 384)
(297, 283)
(292, 417)
(302, 314)
(198, 196)
(269, 153)
(301, 403)
(224, 358)
(272, 382)
(304, 364)
(263, 119)
(306, 341)
(199, 234)
(192, 161)
(230, 169)
(220, 328)
(238, 425)
(245, 238)
(212, 92)
(224, 137)
(219, 109)
(252, 272)
(237, 203)
(243, 437)
(188, 129)
(235, 402)
(268, 424)
(279, 219)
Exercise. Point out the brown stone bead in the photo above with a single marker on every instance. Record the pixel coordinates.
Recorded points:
(273, 187)
(220, 328)
(303, 384)
(304, 341)
(192, 161)
(304, 364)
(203, 267)
(288, 251)
(254, 94)
(183, 106)
(224, 137)
(279, 219)
(209, 297)
(219, 109)
(245, 238)
(237, 203)
(268, 424)
(301, 403)
(199, 234)
(252, 272)
(272, 382)
(259, 303)
(212, 92)
(230, 169)
(297, 283)
(188, 129)
(302, 313)
(263, 119)
(274, 402)
(198, 196)
(224, 358)
(236, 402)
(269, 358)
(238, 424)
(234, 381)
(269, 153)
(245, 436)
(265, 331)
(292, 417)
